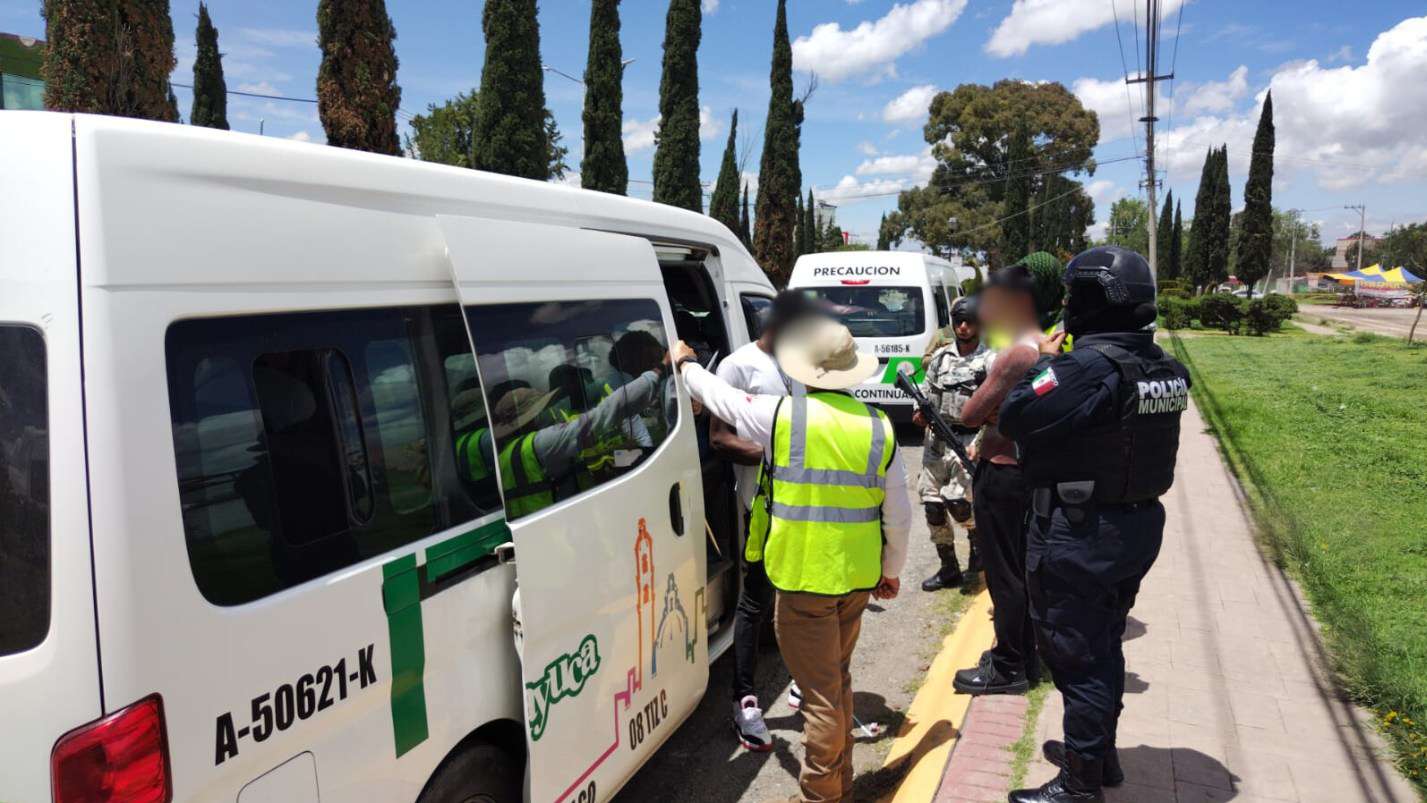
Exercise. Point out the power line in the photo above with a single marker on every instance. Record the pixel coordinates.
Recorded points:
(403, 112)
(1125, 69)
(993, 180)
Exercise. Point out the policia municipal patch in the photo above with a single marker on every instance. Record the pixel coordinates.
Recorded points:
(1162, 396)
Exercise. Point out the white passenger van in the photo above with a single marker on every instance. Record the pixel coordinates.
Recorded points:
(284, 427)
(894, 302)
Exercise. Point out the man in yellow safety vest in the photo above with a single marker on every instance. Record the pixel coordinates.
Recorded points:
(838, 515)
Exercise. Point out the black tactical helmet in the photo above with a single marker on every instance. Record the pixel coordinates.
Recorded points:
(965, 309)
(1110, 289)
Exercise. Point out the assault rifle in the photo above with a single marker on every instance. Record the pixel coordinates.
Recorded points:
(938, 425)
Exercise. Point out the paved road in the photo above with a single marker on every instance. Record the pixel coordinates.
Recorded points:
(704, 763)
(1389, 321)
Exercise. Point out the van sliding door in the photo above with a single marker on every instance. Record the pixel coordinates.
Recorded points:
(595, 451)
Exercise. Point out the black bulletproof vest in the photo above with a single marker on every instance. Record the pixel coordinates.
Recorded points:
(1133, 460)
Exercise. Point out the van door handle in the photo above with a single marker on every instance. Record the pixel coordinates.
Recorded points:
(676, 510)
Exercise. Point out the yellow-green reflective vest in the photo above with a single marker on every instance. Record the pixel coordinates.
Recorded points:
(997, 341)
(527, 489)
(826, 483)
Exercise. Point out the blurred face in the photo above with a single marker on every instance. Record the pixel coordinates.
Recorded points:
(1006, 310)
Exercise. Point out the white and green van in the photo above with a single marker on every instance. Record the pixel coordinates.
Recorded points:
(894, 303)
(259, 531)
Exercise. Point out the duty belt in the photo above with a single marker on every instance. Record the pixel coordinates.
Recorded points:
(1075, 498)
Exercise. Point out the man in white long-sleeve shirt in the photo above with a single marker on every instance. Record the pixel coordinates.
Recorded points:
(832, 516)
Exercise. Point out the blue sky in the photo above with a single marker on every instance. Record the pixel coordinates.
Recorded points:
(1349, 87)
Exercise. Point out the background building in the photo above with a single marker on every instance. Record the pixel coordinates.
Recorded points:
(1345, 256)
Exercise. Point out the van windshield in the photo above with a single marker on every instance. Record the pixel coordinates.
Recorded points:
(875, 311)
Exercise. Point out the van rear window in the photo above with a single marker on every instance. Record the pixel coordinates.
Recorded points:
(875, 311)
(24, 490)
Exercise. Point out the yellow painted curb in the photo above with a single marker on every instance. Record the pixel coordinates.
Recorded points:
(935, 718)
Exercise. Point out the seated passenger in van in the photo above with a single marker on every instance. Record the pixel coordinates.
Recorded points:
(541, 462)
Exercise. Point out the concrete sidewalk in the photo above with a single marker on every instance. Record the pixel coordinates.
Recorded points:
(1226, 697)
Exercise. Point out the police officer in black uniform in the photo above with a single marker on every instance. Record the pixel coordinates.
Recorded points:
(1099, 431)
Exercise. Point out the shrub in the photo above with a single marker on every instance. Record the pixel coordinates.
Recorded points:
(1280, 306)
(1260, 319)
(1222, 311)
(1175, 313)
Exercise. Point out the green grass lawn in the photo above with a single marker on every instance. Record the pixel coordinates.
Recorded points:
(1329, 436)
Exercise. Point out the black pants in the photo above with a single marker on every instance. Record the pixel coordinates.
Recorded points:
(1001, 502)
(1083, 580)
(755, 604)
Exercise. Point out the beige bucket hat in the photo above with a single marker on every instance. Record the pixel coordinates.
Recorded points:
(517, 408)
(821, 353)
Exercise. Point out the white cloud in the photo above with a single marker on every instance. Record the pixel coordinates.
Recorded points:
(710, 6)
(749, 180)
(1111, 102)
(1348, 126)
(1104, 192)
(851, 190)
(910, 106)
(1054, 22)
(1218, 96)
(867, 149)
(260, 87)
(639, 134)
(872, 48)
(918, 166)
(301, 136)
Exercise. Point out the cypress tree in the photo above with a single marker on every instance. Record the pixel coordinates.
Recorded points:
(884, 243)
(1256, 241)
(1196, 260)
(603, 167)
(210, 91)
(109, 57)
(1162, 233)
(509, 132)
(1218, 262)
(778, 181)
(357, 94)
(1175, 268)
(676, 151)
(743, 222)
(723, 207)
(1016, 230)
(808, 219)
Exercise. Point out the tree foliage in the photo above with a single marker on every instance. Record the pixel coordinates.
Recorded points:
(970, 130)
(446, 134)
(1164, 234)
(1207, 260)
(884, 239)
(1129, 225)
(676, 145)
(210, 91)
(1174, 268)
(1405, 246)
(723, 206)
(357, 94)
(604, 167)
(1254, 252)
(779, 176)
(1061, 217)
(511, 135)
(1016, 225)
(109, 57)
(744, 225)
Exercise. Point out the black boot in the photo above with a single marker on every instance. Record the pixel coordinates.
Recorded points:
(949, 575)
(1080, 783)
(1111, 775)
(985, 679)
(973, 561)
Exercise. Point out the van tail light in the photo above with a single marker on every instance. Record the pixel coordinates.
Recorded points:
(122, 758)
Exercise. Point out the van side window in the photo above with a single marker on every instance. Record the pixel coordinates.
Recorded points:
(943, 312)
(756, 311)
(301, 442)
(578, 395)
(24, 490)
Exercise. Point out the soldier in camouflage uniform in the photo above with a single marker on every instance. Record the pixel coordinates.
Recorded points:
(953, 373)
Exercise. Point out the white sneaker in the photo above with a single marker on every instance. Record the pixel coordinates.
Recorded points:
(795, 696)
(749, 726)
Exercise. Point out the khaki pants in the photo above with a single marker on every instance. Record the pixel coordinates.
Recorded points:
(816, 635)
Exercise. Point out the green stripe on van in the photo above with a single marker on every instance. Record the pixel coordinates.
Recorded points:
(401, 596)
(402, 589)
(889, 377)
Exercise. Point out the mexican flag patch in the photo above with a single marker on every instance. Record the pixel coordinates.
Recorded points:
(1045, 382)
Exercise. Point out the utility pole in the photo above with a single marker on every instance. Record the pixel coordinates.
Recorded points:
(1293, 250)
(1362, 224)
(1150, 79)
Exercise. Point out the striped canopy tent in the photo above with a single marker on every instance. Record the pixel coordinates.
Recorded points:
(1376, 275)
